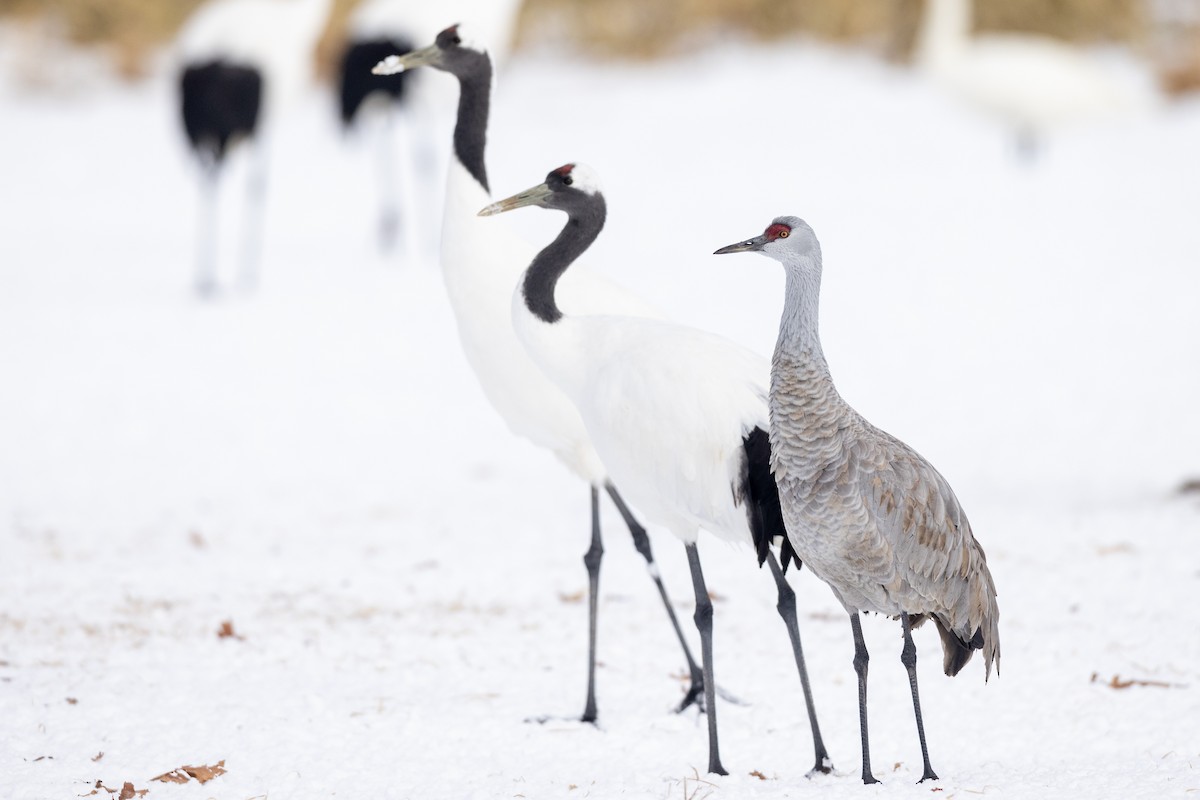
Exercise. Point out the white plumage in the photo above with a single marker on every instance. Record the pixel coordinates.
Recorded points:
(667, 407)
(241, 63)
(276, 37)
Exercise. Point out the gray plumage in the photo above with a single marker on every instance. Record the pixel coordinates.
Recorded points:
(864, 511)
(871, 517)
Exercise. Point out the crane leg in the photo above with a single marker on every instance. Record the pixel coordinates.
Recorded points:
(206, 252)
(703, 618)
(390, 181)
(860, 666)
(591, 559)
(908, 657)
(252, 220)
(787, 610)
(642, 543)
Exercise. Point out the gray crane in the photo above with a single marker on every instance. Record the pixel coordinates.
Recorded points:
(863, 510)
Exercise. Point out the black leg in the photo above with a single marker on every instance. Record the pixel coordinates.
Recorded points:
(642, 543)
(860, 666)
(591, 560)
(908, 657)
(703, 617)
(787, 610)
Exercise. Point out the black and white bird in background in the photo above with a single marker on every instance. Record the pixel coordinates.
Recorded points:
(397, 115)
(241, 64)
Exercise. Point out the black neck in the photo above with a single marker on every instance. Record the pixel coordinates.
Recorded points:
(541, 278)
(470, 132)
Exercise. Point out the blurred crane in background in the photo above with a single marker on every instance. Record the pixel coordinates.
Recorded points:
(1034, 83)
(398, 111)
(241, 62)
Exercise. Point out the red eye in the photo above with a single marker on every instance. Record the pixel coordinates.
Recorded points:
(777, 231)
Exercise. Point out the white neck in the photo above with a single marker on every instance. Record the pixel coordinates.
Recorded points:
(945, 30)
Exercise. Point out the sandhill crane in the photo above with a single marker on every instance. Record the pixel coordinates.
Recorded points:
(241, 62)
(864, 511)
(481, 263)
(1033, 82)
(679, 416)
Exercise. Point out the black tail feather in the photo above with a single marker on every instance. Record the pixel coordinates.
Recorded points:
(956, 651)
(762, 500)
(220, 102)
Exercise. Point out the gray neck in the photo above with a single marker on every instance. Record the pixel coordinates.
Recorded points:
(799, 334)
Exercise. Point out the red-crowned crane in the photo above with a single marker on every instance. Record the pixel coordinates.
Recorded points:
(677, 415)
(241, 62)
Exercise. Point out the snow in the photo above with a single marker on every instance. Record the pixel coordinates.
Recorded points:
(314, 463)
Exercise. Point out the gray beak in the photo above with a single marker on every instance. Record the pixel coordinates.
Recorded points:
(530, 197)
(417, 58)
(748, 246)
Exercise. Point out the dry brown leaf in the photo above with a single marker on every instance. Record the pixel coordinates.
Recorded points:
(571, 597)
(72, 701)
(758, 775)
(197, 540)
(183, 774)
(226, 631)
(174, 776)
(98, 756)
(128, 792)
(205, 774)
(1116, 682)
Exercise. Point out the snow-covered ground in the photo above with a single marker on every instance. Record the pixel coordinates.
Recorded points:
(315, 465)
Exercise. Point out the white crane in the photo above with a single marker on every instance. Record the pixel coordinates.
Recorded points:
(1034, 83)
(481, 263)
(397, 111)
(240, 63)
(679, 416)
(865, 511)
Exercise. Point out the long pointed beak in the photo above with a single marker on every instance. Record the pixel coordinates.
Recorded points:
(748, 246)
(530, 197)
(416, 58)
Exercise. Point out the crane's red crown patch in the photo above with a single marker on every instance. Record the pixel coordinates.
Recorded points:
(777, 230)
